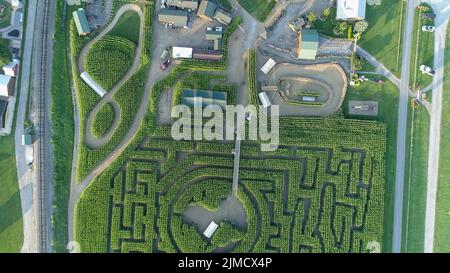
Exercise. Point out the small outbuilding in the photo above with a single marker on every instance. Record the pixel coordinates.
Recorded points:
(182, 52)
(267, 67)
(206, 10)
(222, 16)
(209, 231)
(178, 18)
(308, 44)
(183, 4)
(79, 16)
(264, 99)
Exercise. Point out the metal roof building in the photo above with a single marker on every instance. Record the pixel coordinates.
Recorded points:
(214, 35)
(351, 10)
(209, 231)
(93, 84)
(308, 44)
(268, 66)
(203, 98)
(264, 99)
(81, 22)
(207, 55)
(222, 16)
(178, 18)
(206, 10)
(183, 4)
(182, 52)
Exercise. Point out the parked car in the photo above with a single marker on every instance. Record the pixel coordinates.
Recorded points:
(428, 28)
(165, 64)
(427, 70)
(164, 53)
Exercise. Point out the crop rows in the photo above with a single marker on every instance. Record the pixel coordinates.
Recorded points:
(311, 195)
(109, 60)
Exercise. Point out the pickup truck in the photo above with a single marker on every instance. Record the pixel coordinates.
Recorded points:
(165, 64)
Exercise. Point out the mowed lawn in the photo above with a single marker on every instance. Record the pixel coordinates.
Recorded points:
(259, 9)
(387, 96)
(11, 227)
(415, 190)
(442, 225)
(422, 52)
(382, 39)
(123, 27)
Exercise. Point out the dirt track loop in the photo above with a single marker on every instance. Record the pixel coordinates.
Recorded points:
(91, 140)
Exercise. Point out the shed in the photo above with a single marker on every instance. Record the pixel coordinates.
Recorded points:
(93, 84)
(178, 18)
(81, 22)
(268, 66)
(207, 55)
(183, 4)
(222, 16)
(351, 10)
(308, 44)
(203, 98)
(182, 52)
(206, 10)
(264, 99)
(209, 231)
(6, 85)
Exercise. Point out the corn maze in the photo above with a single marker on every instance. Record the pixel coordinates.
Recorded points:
(326, 197)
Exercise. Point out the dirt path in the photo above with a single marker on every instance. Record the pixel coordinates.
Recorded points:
(91, 140)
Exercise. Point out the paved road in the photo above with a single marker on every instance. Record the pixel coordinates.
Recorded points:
(24, 174)
(442, 10)
(91, 140)
(401, 127)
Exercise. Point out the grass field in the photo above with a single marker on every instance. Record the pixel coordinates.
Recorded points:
(422, 52)
(415, 180)
(226, 4)
(123, 29)
(383, 37)
(259, 9)
(11, 224)
(63, 129)
(442, 232)
(5, 18)
(387, 96)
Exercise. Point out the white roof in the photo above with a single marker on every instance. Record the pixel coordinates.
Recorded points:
(209, 231)
(268, 66)
(351, 9)
(182, 52)
(4, 80)
(264, 99)
(93, 84)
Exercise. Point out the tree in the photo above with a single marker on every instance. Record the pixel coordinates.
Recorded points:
(361, 26)
(342, 26)
(423, 8)
(326, 12)
(312, 16)
(5, 54)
